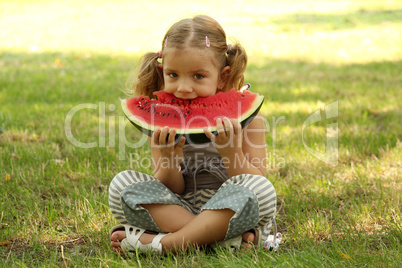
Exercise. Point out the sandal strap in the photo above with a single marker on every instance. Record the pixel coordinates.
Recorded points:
(133, 234)
(132, 240)
(156, 242)
(231, 244)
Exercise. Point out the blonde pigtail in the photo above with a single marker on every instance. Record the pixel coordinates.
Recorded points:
(150, 76)
(237, 60)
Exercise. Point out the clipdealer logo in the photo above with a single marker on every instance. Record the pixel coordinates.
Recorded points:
(331, 154)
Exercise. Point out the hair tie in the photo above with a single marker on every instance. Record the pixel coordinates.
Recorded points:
(229, 48)
(159, 54)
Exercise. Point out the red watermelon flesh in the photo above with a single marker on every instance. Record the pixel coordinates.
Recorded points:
(190, 116)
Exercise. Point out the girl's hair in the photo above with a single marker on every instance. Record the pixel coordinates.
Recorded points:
(193, 33)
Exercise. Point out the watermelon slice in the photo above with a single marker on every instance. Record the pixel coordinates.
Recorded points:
(190, 117)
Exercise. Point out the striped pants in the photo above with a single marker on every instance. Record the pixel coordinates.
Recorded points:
(251, 197)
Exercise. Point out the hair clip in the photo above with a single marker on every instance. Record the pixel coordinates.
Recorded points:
(166, 41)
(229, 47)
(159, 54)
(207, 43)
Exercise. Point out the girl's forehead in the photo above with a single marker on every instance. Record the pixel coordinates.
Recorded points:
(189, 53)
(187, 50)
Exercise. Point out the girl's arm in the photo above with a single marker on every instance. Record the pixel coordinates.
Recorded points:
(254, 146)
(166, 158)
(242, 151)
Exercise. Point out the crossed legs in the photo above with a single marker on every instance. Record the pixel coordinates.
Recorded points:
(186, 230)
(131, 192)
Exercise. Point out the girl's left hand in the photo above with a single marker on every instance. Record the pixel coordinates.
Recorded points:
(229, 137)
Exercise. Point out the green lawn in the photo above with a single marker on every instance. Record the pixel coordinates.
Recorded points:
(57, 58)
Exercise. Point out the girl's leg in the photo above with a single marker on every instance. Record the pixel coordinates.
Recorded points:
(224, 217)
(197, 232)
(208, 227)
(141, 200)
(169, 218)
(252, 198)
(132, 193)
(136, 198)
(172, 218)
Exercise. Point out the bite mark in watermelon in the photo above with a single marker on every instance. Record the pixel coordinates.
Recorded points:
(190, 117)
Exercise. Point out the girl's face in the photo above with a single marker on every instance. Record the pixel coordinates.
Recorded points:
(192, 73)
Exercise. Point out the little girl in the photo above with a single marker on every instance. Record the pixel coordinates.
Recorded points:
(197, 198)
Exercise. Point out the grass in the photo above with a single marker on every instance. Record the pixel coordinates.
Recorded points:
(53, 204)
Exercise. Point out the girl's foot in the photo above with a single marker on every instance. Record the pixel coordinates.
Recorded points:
(119, 235)
(248, 239)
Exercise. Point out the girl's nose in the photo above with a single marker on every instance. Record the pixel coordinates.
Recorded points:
(184, 87)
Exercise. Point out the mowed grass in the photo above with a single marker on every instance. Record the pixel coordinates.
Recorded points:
(53, 193)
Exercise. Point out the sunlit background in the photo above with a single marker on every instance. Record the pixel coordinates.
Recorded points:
(333, 31)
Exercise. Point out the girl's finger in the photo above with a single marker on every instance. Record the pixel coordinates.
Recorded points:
(163, 136)
(155, 136)
(228, 126)
(171, 137)
(181, 143)
(209, 135)
(219, 126)
(236, 126)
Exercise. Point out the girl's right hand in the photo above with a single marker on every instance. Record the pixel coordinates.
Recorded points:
(163, 140)
(167, 156)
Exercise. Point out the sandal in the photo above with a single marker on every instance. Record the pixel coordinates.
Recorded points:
(235, 242)
(132, 241)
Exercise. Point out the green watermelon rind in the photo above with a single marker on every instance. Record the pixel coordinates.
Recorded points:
(195, 135)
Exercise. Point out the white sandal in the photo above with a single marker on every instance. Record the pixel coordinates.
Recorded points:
(132, 241)
(231, 244)
(235, 242)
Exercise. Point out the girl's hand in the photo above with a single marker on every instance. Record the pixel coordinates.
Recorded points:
(167, 156)
(163, 140)
(229, 137)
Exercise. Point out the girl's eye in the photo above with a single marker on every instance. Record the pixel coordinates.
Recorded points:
(198, 76)
(172, 75)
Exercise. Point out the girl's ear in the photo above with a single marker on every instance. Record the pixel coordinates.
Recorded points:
(160, 67)
(224, 76)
